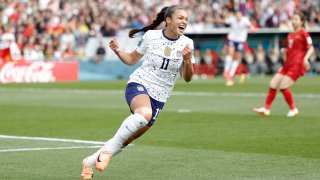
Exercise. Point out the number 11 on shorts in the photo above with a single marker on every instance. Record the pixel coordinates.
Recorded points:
(157, 113)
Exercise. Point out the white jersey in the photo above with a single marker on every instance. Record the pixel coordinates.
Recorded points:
(239, 29)
(162, 60)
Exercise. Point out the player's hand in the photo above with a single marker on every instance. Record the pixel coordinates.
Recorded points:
(114, 45)
(283, 50)
(306, 65)
(187, 53)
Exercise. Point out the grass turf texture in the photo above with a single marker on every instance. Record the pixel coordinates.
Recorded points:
(206, 131)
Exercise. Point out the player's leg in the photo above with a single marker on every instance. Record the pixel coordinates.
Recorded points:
(156, 109)
(228, 59)
(273, 86)
(141, 107)
(244, 70)
(237, 56)
(285, 84)
(90, 161)
(233, 68)
(139, 102)
(227, 65)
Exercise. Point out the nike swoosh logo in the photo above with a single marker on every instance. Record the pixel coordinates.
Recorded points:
(99, 159)
(129, 129)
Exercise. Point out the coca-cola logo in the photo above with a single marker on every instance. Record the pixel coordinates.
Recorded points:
(30, 73)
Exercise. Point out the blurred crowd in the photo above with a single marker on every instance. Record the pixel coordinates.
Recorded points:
(255, 62)
(60, 29)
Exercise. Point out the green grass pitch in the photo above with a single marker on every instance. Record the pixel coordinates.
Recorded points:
(206, 131)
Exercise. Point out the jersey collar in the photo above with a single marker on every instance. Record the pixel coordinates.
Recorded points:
(164, 35)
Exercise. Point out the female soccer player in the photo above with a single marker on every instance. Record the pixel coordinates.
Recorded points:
(299, 49)
(236, 41)
(164, 53)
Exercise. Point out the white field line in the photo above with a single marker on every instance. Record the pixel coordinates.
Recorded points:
(98, 143)
(44, 149)
(51, 139)
(53, 90)
(121, 92)
(214, 94)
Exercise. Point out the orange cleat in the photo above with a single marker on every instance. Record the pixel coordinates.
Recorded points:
(87, 172)
(103, 160)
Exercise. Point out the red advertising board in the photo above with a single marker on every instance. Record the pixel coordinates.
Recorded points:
(40, 71)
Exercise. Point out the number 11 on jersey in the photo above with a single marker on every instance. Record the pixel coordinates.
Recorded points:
(165, 64)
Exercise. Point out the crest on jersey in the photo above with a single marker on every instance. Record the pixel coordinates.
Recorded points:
(167, 51)
(290, 43)
(140, 88)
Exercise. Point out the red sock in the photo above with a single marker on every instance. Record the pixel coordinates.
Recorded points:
(270, 97)
(288, 97)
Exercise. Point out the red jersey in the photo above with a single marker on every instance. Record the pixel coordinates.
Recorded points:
(298, 44)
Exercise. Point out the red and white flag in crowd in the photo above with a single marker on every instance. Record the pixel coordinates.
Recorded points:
(11, 53)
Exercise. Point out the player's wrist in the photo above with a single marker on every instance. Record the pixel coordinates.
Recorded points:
(187, 61)
(117, 51)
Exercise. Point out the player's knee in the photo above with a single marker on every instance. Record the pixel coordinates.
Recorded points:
(273, 85)
(145, 112)
(148, 116)
(283, 86)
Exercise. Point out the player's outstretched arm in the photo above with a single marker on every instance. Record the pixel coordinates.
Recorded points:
(187, 70)
(127, 58)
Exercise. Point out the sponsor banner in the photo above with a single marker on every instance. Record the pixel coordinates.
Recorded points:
(38, 72)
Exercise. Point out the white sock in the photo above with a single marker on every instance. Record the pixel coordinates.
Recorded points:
(114, 145)
(227, 63)
(129, 126)
(234, 67)
(91, 160)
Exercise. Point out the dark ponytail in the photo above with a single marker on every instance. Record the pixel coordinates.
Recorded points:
(302, 16)
(153, 25)
(161, 16)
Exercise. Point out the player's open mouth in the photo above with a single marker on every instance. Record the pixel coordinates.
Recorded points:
(182, 28)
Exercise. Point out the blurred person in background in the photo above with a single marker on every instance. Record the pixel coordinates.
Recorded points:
(250, 61)
(210, 58)
(273, 61)
(261, 60)
(68, 53)
(315, 62)
(49, 52)
(196, 66)
(67, 39)
(298, 51)
(165, 53)
(33, 52)
(100, 53)
(9, 49)
(236, 41)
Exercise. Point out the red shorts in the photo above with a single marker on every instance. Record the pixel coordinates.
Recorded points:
(293, 72)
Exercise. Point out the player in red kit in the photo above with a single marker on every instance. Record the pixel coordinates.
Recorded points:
(299, 49)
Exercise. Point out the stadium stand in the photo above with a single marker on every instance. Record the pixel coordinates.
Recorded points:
(61, 29)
